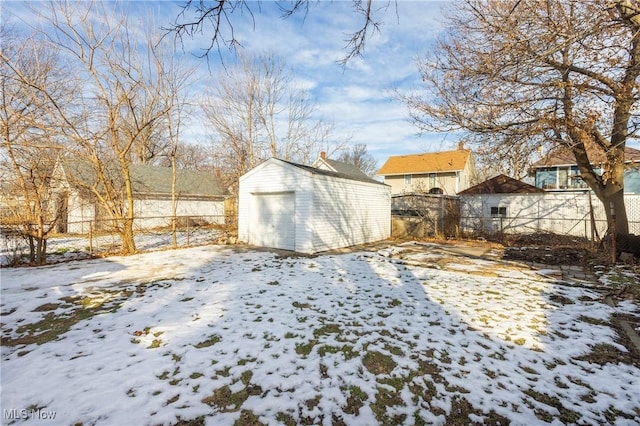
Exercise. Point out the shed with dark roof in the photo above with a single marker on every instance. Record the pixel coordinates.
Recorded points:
(501, 184)
(306, 209)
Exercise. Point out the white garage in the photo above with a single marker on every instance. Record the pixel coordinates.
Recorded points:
(305, 209)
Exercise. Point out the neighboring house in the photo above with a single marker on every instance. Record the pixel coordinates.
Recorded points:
(11, 205)
(503, 204)
(307, 209)
(325, 163)
(485, 207)
(558, 171)
(446, 172)
(199, 194)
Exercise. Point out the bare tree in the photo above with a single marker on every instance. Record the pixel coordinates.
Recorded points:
(191, 156)
(172, 86)
(257, 112)
(358, 156)
(494, 158)
(532, 74)
(218, 17)
(29, 143)
(123, 80)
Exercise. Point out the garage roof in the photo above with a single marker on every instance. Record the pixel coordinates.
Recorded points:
(357, 177)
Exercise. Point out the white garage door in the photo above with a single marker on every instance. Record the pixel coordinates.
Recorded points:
(272, 220)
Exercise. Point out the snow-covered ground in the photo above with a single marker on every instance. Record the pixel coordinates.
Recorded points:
(241, 336)
(70, 247)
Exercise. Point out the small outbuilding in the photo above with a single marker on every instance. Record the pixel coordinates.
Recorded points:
(200, 196)
(306, 209)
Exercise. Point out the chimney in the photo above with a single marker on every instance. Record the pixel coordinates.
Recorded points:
(460, 145)
(323, 155)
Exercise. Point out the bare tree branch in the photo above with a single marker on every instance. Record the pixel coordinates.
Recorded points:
(217, 17)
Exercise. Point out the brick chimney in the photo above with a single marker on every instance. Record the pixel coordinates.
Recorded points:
(323, 155)
(461, 145)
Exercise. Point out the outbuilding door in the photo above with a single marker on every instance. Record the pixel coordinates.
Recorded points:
(272, 220)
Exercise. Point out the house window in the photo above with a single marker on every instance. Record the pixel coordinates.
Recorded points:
(546, 178)
(407, 179)
(575, 180)
(632, 180)
(432, 180)
(498, 211)
(563, 177)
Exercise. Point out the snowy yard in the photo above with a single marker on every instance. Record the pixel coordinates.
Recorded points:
(76, 247)
(219, 336)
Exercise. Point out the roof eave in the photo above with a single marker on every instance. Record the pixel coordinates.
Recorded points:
(419, 172)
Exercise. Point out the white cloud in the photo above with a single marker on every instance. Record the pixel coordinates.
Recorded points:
(356, 98)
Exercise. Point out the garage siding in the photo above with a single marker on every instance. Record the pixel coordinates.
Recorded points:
(349, 212)
(275, 178)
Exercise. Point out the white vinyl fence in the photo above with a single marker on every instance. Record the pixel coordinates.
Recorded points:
(570, 213)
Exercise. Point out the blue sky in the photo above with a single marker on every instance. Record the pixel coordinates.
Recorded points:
(357, 98)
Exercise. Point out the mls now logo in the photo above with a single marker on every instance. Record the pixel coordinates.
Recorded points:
(25, 414)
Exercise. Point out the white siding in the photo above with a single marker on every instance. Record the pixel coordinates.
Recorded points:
(79, 214)
(276, 177)
(563, 213)
(349, 212)
(155, 213)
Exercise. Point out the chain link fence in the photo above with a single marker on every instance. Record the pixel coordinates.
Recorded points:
(495, 216)
(100, 237)
(563, 214)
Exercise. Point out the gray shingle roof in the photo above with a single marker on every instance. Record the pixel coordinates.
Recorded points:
(148, 180)
(345, 168)
(154, 179)
(357, 177)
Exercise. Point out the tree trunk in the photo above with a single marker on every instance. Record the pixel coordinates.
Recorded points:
(616, 213)
(128, 242)
(126, 235)
(174, 204)
(41, 251)
(41, 246)
(32, 249)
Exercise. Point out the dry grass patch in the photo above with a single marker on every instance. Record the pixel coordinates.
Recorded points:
(378, 363)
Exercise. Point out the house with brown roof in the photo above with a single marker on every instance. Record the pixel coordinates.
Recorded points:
(501, 184)
(558, 171)
(446, 172)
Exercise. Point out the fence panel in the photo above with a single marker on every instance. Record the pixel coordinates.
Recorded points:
(574, 214)
(96, 238)
(422, 215)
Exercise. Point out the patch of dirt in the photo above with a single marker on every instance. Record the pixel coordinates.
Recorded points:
(634, 352)
(604, 353)
(552, 249)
